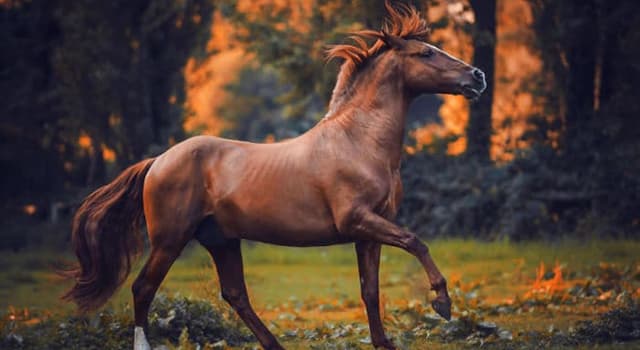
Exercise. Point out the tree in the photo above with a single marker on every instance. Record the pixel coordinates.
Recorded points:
(484, 48)
(120, 71)
(108, 72)
(254, 112)
(589, 49)
(32, 146)
(581, 47)
(567, 34)
(296, 49)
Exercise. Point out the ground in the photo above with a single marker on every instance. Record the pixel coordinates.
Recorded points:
(506, 295)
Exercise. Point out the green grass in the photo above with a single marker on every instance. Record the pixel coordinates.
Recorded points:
(284, 280)
(278, 274)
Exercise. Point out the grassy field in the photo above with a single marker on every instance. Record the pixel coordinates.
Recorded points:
(526, 289)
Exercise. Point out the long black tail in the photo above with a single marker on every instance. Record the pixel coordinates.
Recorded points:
(104, 238)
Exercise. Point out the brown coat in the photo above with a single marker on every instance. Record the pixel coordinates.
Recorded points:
(337, 183)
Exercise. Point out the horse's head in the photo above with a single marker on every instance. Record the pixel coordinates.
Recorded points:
(402, 46)
(428, 69)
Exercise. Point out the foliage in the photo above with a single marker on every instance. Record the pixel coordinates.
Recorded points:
(497, 303)
(28, 129)
(538, 195)
(105, 330)
(107, 71)
(615, 325)
(110, 329)
(295, 48)
(256, 112)
(590, 80)
(169, 317)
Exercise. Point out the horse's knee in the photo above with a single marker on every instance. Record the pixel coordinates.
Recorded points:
(415, 246)
(369, 294)
(235, 298)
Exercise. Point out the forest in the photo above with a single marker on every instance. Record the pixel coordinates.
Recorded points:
(543, 169)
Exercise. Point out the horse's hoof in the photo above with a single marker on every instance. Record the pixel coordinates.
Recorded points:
(140, 340)
(442, 307)
(274, 346)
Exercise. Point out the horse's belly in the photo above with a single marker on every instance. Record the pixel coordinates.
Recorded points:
(282, 231)
(297, 238)
(283, 222)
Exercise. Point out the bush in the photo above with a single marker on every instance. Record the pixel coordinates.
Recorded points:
(538, 195)
(169, 318)
(205, 324)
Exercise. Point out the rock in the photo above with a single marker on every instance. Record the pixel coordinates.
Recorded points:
(432, 320)
(13, 338)
(505, 334)
(457, 329)
(486, 328)
(365, 340)
(505, 309)
(290, 334)
(165, 323)
(222, 344)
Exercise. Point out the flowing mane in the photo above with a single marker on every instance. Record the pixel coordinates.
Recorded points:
(403, 21)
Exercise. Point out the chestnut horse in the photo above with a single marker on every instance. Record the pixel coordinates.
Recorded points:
(337, 183)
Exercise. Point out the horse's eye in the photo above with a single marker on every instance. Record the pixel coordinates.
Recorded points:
(427, 53)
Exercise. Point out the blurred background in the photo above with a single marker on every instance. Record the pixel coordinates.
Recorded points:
(532, 191)
(551, 149)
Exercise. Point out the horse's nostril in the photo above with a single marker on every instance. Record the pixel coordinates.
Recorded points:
(478, 74)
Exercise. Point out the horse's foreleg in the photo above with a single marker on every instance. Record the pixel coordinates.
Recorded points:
(228, 260)
(144, 289)
(368, 265)
(363, 224)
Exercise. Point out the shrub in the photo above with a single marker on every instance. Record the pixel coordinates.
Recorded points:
(109, 329)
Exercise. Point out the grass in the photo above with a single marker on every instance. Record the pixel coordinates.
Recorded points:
(305, 288)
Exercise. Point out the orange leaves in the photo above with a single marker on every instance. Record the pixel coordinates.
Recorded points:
(29, 209)
(108, 154)
(543, 285)
(316, 311)
(84, 141)
(607, 284)
(606, 295)
(24, 316)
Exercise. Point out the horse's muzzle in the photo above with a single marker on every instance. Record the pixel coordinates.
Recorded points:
(477, 84)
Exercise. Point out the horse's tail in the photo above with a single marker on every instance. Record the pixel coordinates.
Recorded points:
(104, 238)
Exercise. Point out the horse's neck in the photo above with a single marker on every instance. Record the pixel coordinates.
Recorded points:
(374, 114)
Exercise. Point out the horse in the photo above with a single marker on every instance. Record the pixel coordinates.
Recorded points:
(337, 183)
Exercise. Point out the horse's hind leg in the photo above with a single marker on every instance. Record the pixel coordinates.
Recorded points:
(146, 284)
(368, 266)
(228, 259)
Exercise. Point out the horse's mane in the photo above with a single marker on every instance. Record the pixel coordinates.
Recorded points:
(403, 21)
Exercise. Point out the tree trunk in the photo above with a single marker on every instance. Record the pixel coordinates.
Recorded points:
(581, 59)
(484, 45)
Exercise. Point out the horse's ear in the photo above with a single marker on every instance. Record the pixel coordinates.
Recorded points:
(393, 41)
